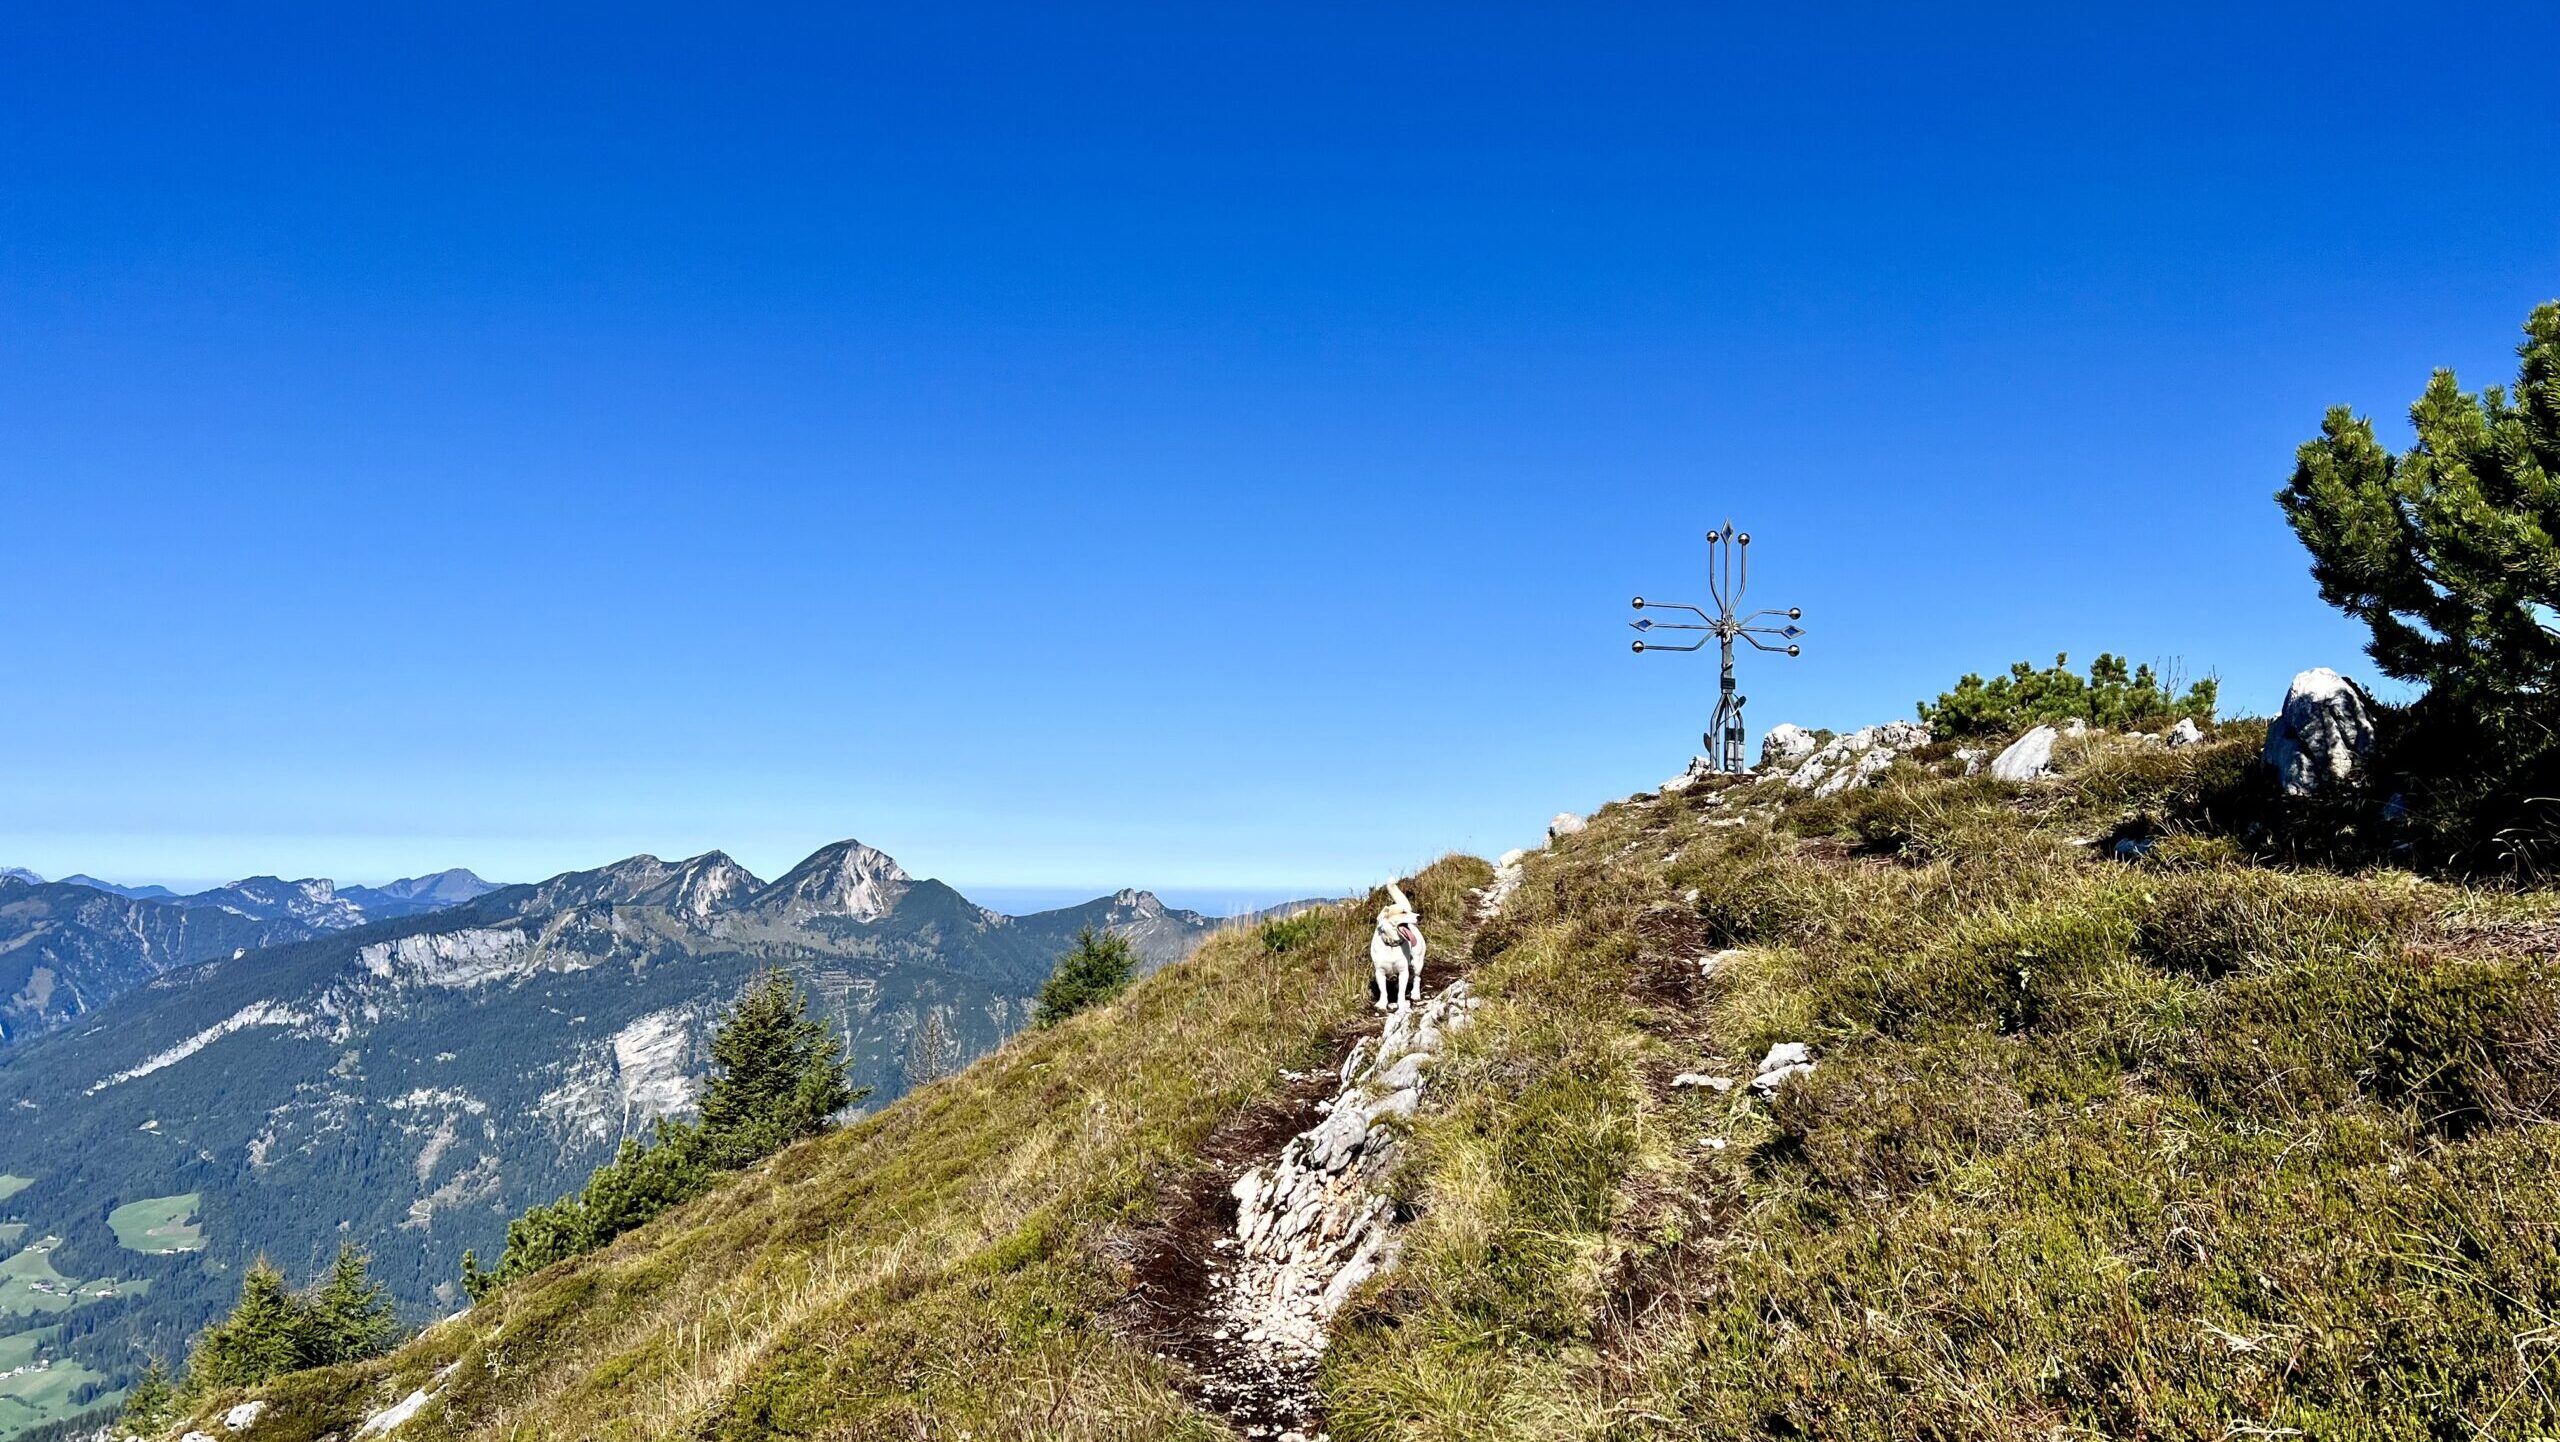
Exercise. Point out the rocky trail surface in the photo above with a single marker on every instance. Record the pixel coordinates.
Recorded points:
(1260, 1252)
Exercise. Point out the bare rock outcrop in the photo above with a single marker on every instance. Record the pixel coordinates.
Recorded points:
(2323, 734)
(1857, 759)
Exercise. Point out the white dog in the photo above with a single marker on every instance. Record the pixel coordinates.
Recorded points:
(1395, 951)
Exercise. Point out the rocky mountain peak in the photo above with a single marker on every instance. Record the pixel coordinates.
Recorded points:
(702, 885)
(1144, 903)
(845, 879)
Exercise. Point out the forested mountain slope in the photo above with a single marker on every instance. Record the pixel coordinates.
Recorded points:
(66, 949)
(2108, 1129)
(69, 947)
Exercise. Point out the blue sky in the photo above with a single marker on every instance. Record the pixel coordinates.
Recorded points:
(1199, 447)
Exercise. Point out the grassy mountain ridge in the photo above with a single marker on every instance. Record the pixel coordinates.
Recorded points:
(2158, 1139)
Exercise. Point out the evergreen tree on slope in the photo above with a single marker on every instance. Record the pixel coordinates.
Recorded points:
(781, 1075)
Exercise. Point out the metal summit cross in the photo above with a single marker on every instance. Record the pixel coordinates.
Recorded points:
(1728, 571)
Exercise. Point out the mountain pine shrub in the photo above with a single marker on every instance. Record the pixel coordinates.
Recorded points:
(2449, 553)
(2113, 695)
(1095, 970)
(262, 1338)
(349, 1314)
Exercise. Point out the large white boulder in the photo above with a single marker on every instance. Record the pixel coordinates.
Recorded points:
(2323, 734)
(1566, 824)
(2185, 733)
(2028, 757)
(1786, 744)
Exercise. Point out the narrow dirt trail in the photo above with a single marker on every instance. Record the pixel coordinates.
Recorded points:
(1256, 1252)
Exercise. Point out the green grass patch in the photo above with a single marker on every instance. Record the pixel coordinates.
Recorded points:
(11, 1185)
(156, 1226)
(36, 1388)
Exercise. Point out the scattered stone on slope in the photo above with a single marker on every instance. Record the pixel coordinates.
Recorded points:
(1566, 824)
(2027, 758)
(1785, 1059)
(1786, 744)
(2323, 734)
(1857, 759)
(398, 1415)
(2185, 733)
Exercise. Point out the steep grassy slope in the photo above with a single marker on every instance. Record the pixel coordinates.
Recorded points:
(943, 1269)
(2153, 1141)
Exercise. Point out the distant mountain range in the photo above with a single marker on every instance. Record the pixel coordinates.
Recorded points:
(268, 895)
(414, 1082)
(68, 946)
(138, 893)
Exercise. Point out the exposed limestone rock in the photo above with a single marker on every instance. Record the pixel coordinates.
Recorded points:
(2028, 757)
(1786, 744)
(1857, 759)
(1688, 1079)
(2185, 733)
(1700, 768)
(457, 959)
(2323, 734)
(1566, 824)
(392, 1418)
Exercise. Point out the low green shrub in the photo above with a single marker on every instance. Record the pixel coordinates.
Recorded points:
(2113, 695)
(1895, 1116)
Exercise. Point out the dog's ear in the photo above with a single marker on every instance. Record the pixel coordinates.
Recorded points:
(1398, 893)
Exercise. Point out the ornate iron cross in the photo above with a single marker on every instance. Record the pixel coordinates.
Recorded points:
(1728, 571)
